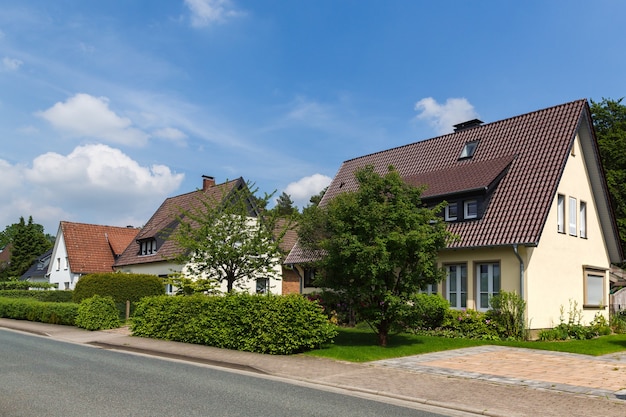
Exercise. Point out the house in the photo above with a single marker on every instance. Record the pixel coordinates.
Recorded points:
(39, 269)
(5, 257)
(528, 200)
(154, 248)
(81, 249)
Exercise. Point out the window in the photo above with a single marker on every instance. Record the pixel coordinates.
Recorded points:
(488, 283)
(58, 264)
(572, 216)
(67, 263)
(451, 212)
(583, 219)
(147, 247)
(456, 285)
(429, 289)
(594, 288)
(468, 150)
(560, 213)
(471, 209)
(309, 277)
(262, 285)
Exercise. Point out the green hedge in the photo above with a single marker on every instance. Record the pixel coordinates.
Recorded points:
(33, 310)
(98, 313)
(120, 287)
(24, 285)
(51, 296)
(255, 323)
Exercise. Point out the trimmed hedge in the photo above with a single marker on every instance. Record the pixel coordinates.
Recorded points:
(24, 285)
(32, 310)
(98, 313)
(50, 296)
(255, 323)
(425, 311)
(120, 287)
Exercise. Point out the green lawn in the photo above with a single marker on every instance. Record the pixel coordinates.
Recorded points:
(358, 345)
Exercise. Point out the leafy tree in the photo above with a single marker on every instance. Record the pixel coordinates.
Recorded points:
(226, 240)
(377, 246)
(29, 241)
(284, 205)
(609, 122)
(315, 199)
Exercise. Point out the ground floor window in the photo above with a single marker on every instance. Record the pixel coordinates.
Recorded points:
(309, 277)
(456, 285)
(262, 285)
(594, 287)
(488, 283)
(429, 289)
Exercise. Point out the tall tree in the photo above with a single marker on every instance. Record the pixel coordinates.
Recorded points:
(377, 246)
(609, 122)
(315, 199)
(226, 240)
(284, 205)
(29, 241)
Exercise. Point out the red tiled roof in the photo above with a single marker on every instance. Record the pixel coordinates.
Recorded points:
(93, 248)
(531, 151)
(164, 221)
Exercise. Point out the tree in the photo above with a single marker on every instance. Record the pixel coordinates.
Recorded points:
(226, 240)
(315, 199)
(284, 205)
(609, 122)
(29, 241)
(377, 246)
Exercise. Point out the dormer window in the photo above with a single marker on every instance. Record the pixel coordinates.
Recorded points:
(468, 150)
(451, 212)
(147, 247)
(470, 209)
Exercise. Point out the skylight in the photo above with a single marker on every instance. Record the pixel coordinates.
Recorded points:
(468, 150)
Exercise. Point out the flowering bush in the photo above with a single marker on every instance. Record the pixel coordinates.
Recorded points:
(470, 324)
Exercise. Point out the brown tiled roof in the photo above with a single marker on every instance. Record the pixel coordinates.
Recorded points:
(530, 150)
(165, 220)
(93, 248)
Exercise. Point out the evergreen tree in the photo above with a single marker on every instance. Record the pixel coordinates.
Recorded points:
(29, 241)
(284, 205)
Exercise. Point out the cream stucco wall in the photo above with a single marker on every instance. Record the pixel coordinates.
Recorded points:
(555, 267)
(59, 271)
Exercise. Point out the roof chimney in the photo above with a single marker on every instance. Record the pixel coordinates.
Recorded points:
(467, 125)
(207, 182)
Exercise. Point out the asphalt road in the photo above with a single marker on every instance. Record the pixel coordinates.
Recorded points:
(39, 376)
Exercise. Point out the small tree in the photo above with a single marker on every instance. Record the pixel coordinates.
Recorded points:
(227, 240)
(284, 206)
(377, 246)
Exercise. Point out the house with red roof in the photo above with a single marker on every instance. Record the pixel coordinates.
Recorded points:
(526, 197)
(81, 249)
(154, 249)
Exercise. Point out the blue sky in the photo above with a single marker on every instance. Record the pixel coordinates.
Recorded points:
(109, 107)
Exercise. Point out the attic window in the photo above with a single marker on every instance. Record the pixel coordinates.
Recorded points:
(468, 150)
(147, 247)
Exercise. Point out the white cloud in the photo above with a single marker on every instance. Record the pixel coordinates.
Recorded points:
(87, 116)
(302, 190)
(171, 134)
(442, 117)
(206, 12)
(11, 64)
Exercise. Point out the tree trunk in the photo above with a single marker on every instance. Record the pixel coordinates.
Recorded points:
(383, 333)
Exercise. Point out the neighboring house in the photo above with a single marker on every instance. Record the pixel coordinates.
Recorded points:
(39, 269)
(81, 249)
(527, 198)
(291, 280)
(5, 256)
(154, 248)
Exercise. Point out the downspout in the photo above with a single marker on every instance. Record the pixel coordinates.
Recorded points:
(521, 271)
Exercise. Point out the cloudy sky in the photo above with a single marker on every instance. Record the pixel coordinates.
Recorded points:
(108, 107)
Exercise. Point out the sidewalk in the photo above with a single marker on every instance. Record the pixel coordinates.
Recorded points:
(490, 380)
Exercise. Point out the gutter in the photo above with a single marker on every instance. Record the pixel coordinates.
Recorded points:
(521, 271)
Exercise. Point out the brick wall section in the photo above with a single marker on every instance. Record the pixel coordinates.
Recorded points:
(291, 282)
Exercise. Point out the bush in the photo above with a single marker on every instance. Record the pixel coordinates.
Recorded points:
(508, 310)
(256, 323)
(573, 327)
(618, 322)
(51, 296)
(120, 287)
(24, 285)
(425, 311)
(98, 313)
(32, 310)
(471, 324)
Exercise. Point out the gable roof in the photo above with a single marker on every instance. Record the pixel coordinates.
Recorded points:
(93, 248)
(526, 153)
(165, 221)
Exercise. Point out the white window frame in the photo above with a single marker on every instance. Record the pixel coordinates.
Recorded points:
(594, 287)
(583, 219)
(451, 217)
(466, 212)
(491, 286)
(456, 286)
(429, 289)
(572, 215)
(469, 149)
(262, 285)
(560, 213)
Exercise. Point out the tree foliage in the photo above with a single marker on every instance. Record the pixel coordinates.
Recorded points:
(609, 122)
(377, 246)
(28, 242)
(228, 240)
(284, 206)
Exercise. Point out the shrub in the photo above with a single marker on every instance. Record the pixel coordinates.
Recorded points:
(573, 327)
(470, 324)
(256, 323)
(98, 313)
(51, 296)
(618, 322)
(24, 285)
(45, 312)
(120, 287)
(508, 310)
(425, 311)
